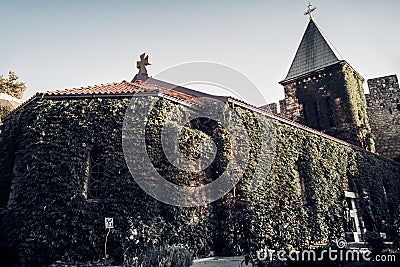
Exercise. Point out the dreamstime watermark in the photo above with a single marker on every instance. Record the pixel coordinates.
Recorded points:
(146, 110)
(339, 254)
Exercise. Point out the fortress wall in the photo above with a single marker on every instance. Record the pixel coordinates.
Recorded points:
(383, 109)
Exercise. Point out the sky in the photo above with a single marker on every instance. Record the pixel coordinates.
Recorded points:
(58, 44)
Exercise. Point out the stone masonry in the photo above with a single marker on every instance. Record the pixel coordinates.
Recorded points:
(383, 109)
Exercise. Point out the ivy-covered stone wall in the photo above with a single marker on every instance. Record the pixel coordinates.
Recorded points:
(4, 111)
(48, 216)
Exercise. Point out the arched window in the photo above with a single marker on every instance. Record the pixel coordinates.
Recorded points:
(95, 187)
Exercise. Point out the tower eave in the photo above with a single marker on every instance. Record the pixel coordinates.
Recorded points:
(304, 75)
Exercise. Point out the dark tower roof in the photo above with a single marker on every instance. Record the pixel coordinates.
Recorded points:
(314, 52)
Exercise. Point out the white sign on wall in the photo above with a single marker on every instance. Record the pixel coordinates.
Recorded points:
(109, 223)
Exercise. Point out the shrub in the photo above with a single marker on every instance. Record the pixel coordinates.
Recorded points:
(375, 242)
(165, 256)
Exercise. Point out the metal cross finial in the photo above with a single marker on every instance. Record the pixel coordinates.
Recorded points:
(145, 60)
(310, 10)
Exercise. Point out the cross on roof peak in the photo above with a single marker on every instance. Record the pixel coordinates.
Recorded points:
(310, 10)
(145, 60)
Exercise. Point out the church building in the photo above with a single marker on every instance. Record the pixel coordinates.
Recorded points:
(67, 193)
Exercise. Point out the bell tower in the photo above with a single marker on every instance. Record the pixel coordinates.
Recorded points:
(324, 92)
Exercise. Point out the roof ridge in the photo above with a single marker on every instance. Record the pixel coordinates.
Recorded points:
(82, 87)
(334, 50)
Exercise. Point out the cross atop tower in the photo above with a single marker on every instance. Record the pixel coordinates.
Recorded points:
(310, 10)
(145, 60)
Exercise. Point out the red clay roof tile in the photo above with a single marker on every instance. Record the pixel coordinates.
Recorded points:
(124, 87)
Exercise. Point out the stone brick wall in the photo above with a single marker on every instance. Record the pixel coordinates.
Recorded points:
(282, 105)
(383, 108)
(273, 107)
(277, 108)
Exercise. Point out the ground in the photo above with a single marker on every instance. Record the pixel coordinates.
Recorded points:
(218, 262)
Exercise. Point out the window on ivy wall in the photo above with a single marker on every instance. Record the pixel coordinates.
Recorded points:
(301, 190)
(95, 187)
(311, 114)
(15, 181)
(330, 111)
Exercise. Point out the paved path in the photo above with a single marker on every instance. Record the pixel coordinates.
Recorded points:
(218, 262)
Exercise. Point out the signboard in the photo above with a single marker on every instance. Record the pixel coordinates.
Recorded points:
(109, 223)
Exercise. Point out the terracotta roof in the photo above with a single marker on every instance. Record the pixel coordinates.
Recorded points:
(140, 84)
(122, 88)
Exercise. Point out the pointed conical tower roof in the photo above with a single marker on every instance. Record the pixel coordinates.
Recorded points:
(315, 52)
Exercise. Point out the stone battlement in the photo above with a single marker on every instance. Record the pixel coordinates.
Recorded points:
(383, 109)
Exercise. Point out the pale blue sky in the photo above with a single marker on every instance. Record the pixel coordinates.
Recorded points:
(63, 44)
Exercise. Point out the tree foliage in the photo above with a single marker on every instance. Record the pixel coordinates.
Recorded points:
(11, 85)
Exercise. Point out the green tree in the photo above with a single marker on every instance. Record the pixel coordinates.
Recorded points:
(11, 85)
